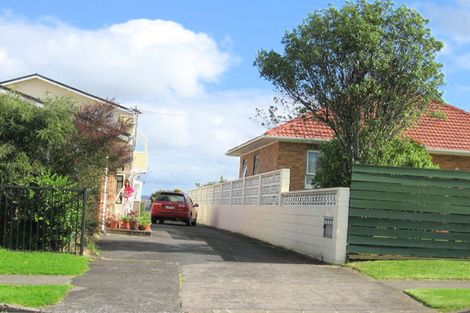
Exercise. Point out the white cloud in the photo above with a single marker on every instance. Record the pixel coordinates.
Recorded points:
(188, 140)
(161, 67)
(139, 58)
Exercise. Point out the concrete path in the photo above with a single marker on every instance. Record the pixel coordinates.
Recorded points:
(200, 269)
(34, 280)
(413, 284)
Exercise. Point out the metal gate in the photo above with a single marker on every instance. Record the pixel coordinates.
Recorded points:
(42, 218)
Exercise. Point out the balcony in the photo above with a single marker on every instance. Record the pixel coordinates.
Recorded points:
(140, 162)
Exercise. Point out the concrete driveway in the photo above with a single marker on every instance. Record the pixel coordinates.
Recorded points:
(200, 269)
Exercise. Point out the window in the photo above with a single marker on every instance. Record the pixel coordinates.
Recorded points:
(312, 161)
(256, 165)
(244, 168)
(170, 197)
(119, 185)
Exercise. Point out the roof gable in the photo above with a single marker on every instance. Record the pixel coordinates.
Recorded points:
(24, 96)
(36, 76)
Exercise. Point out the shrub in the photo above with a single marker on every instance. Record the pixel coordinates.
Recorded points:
(125, 218)
(47, 219)
(398, 152)
(144, 219)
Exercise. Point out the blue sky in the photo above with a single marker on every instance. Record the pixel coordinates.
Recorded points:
(188, 65)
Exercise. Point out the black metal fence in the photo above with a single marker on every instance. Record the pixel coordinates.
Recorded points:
(42, 218)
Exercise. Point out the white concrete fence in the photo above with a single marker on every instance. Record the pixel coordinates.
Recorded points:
(311, 222)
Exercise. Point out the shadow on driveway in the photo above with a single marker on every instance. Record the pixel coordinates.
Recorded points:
(202, 242)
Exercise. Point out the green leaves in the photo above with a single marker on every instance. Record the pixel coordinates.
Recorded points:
(60, 144)
(397, 152)
(370, 66)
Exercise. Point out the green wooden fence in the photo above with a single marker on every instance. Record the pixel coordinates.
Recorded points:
(408, 211)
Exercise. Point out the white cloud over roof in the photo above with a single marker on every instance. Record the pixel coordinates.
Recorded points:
(160, 66)
(139, 58)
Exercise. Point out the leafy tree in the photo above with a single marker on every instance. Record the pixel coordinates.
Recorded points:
(210, 183)
(397, 152)
(367, 70)
(28, 134)
(62, 141)
(97, 142)
(155, 194)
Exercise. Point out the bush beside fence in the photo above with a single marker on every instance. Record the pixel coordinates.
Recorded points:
(42, 218)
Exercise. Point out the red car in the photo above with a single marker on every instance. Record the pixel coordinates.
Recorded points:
(175, 206)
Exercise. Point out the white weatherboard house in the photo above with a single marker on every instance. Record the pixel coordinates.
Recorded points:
(35, 87)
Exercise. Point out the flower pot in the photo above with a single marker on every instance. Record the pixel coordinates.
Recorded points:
(134, 225)
(114, 224)
(125, 225)
(145, 227)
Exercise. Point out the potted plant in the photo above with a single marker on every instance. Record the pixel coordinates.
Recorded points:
(145, 222)
(125, 222)
(133, 222)
(114, 223)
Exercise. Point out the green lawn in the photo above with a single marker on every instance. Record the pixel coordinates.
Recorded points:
(33, 296)
(41, 263)
(445, 300)
(415, 269)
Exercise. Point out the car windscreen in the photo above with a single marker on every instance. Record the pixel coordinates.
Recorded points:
(170, 197)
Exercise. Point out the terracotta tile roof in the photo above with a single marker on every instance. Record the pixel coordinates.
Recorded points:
(450, 133)
(302, 128)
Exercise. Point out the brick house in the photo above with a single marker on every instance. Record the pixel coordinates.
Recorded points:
(35, 87)
(295, 145)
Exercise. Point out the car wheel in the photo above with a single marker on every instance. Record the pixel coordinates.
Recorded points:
(161, 221)
(154, 220)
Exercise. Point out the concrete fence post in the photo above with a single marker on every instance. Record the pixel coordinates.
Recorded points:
(259, 189)
(341, 228)
(243, 191)
(231, 193)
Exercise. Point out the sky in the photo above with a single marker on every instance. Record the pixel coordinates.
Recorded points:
(188, 66)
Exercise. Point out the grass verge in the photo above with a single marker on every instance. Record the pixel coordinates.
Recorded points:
(446, 300)
(33, 296)
(415, 269)
(41, 263)
(92, 248)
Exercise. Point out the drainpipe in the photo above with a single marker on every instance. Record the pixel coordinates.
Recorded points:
(105, 196)
(136, 115)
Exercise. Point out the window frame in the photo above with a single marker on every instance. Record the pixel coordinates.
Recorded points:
(244, 170)
(308, 185)
(256, 164)
(119, 185)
